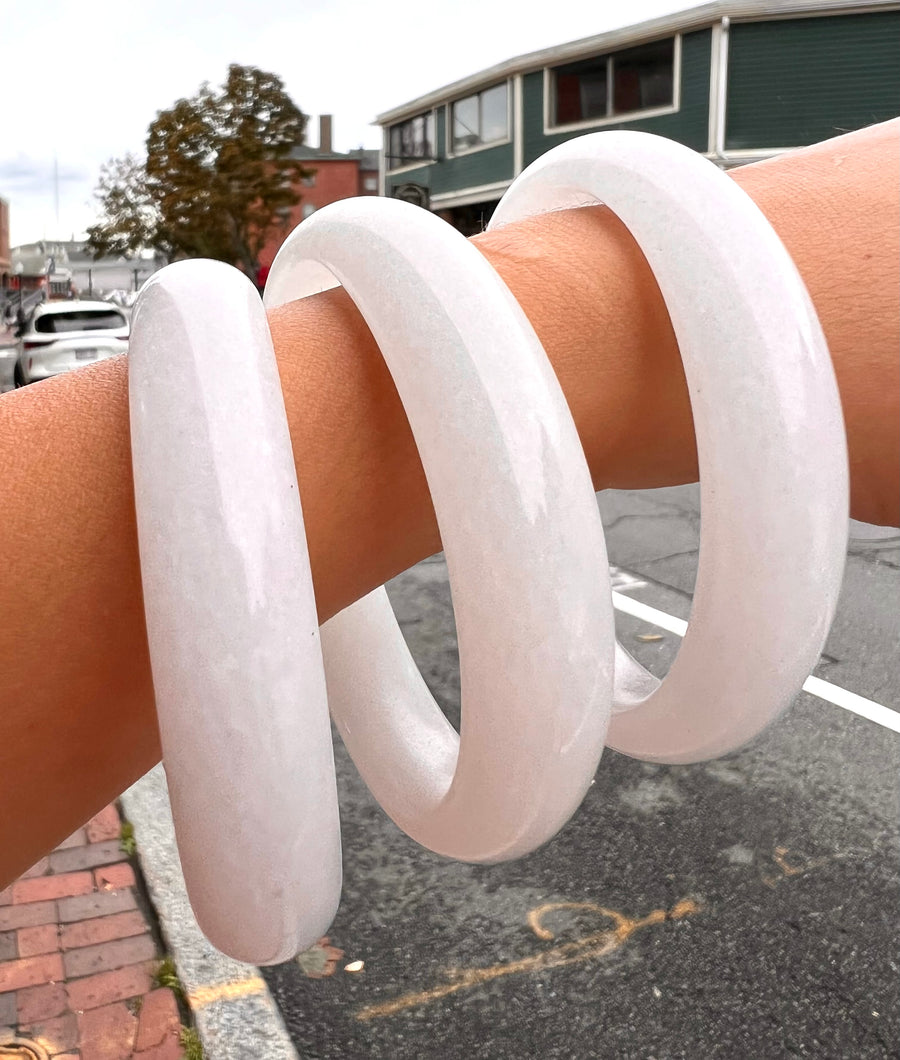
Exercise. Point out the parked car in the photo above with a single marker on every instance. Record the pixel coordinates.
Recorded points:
(9, 357)
(60, 336)
(53, 358)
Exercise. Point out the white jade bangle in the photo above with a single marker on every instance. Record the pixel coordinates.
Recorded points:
(770, 439)
(230, 616)
(521, 534)
(231, 619)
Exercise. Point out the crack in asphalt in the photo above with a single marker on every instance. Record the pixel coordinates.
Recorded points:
(873, 558)
(672, 555)
(676, 514)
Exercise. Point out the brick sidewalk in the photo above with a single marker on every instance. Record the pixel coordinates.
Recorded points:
(77, 956)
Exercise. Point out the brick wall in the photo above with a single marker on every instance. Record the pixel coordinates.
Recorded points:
(334, 179)
(4, 240)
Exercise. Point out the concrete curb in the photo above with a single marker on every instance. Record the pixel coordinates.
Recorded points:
(232, 1007)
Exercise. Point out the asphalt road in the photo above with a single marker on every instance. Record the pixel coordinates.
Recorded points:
(742, 908)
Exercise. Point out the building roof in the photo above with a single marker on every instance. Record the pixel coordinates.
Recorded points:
(681, 21)
(305, 153)
(367, 158)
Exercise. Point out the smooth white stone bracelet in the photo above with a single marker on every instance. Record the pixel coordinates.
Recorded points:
(231, 618)
(230, 613)
(774, 489)
(521, 534)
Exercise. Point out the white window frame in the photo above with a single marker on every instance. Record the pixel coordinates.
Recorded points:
(419, 163)
(448, 123)
(612, 119)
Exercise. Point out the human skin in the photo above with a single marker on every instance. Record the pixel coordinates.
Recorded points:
(77, 721)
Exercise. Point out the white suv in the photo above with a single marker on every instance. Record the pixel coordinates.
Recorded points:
(61, 336)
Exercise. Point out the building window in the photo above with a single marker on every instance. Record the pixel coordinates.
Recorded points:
(643, 77)
(581, 91)
(480, 119)
(411, 141)
(308, 210)
(370, 183)
(626, 82)
(309, 181)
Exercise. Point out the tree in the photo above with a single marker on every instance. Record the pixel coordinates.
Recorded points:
(130, 220)
(217, 177)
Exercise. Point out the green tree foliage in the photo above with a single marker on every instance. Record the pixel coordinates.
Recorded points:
(129, 217)
(217, 178)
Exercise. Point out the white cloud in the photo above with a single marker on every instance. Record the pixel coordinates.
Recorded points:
(83, 82)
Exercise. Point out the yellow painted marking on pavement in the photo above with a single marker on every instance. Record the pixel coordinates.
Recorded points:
(787, 869)
(591, 947)
(206, 995)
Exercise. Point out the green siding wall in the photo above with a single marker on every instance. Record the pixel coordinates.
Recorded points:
(480, 167)
(452, 174)
(798, 81)
(421, 175)
(690, 124)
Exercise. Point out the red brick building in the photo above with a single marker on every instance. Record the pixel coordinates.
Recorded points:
(4, 244)
(333, 176)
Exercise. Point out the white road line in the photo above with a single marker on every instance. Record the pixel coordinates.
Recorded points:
(840, 697)
(649, 614)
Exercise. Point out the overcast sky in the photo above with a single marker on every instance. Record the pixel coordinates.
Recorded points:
(83, 81)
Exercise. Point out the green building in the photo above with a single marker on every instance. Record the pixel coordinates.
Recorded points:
(737, 80)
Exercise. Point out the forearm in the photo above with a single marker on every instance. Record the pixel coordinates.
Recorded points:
(77, 723)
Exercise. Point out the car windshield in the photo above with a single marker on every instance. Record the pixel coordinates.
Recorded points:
(78, 320)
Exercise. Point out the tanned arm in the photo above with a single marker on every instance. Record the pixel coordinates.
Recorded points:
(77, 722)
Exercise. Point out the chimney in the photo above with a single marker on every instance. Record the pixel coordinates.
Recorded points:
(325, 134)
